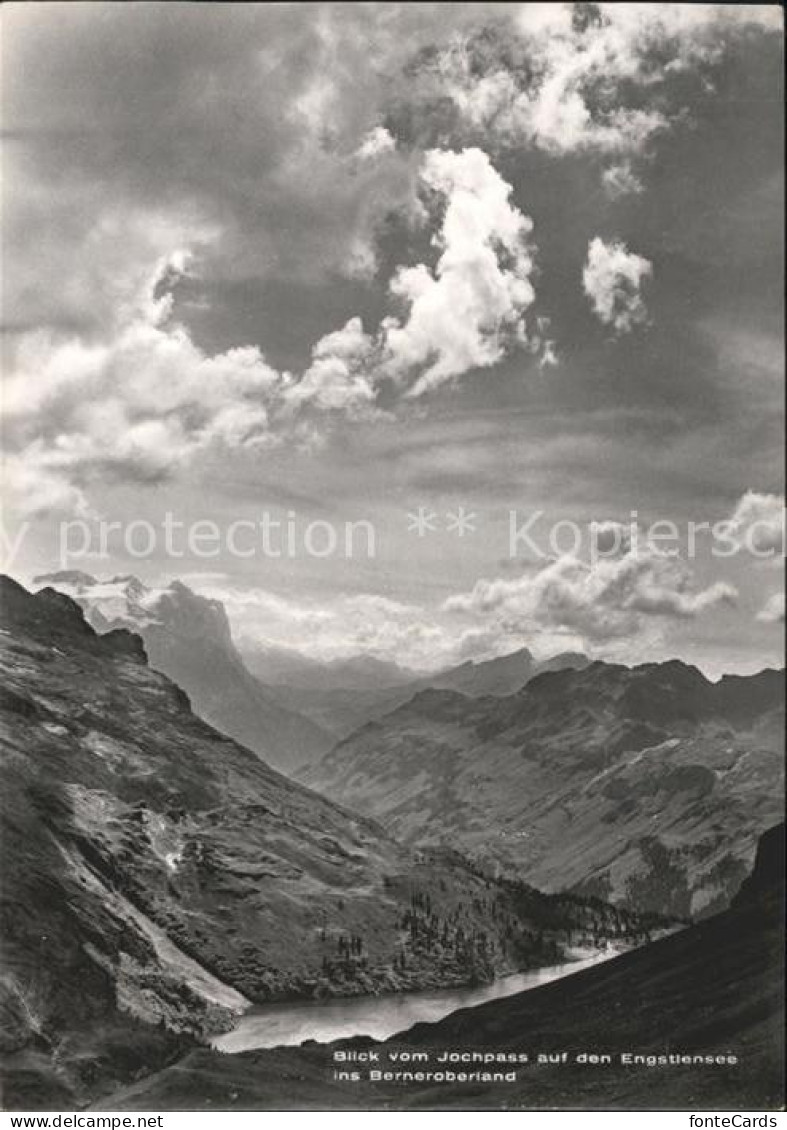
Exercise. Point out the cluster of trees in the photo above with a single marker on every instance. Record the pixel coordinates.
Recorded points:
(352, 946)
(351, 959)
(346, 966)
(572, 920)
(523, 924)
(452, 936)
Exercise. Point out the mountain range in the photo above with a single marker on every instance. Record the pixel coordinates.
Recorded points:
(158, 876)
(284, 706)
(343, 697)
(646, 786)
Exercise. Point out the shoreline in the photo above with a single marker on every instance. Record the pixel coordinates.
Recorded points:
(414, 1001)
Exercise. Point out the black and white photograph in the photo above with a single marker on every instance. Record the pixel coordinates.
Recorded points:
(392, 583)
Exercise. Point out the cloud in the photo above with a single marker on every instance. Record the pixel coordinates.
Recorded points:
(470, 308)
(611, 279)
(367, 624)
(142, 404)
(376, 142)
(758, 524)
(611, 538)
(537, 94)
(620, 180)
(245, 121)
(338, 378)
(249, 122)
(549, 357)
(136, 406)
(772, 612)
(34, 483)
(339, 627)
(610, 598)
(601, 78)
(463, 313)
(139, 402)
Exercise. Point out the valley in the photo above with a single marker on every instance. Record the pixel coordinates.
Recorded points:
(693, 1021)
(645, 786)
(161, 878)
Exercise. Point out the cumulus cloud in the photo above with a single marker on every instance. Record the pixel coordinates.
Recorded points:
(140, 401)
(464, 313)
(141, 405)
(610, 598)
(585, 78)
(611, 279)
(338, 378)
(772, 612)
(538, 95)
(758, 524)
(137, 405)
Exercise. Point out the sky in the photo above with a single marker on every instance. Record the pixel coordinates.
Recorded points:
(501, 284)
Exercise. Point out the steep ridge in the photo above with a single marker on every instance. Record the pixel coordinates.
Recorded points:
(188, 637)
(157, 873)
(646, 786)
(711, 992)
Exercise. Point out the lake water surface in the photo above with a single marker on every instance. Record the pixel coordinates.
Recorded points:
(292, 1022)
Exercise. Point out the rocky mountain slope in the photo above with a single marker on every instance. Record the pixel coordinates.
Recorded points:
(647, 786)
(188, 637)
(155, 872)
(714, 990)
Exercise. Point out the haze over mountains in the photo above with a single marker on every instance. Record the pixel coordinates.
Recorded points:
(347, 696)
(286, 707)
(645, 785)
